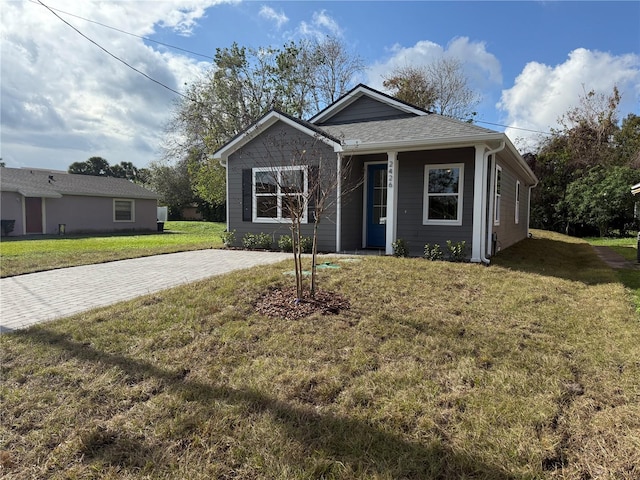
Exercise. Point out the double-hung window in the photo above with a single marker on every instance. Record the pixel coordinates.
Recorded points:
(517, 219)
(279, 193)
(123, 210)
(444, 186)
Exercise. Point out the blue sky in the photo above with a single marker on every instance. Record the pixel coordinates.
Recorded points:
(65, 100)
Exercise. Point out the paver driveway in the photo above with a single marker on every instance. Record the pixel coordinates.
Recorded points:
(37, 297)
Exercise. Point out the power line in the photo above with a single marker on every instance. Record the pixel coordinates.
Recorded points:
(114, 56)
(209, 57)
(53, 10)
(515, 128)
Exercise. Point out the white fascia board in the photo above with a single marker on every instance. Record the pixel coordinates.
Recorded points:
(265, 122)
(409, 145)
(635, 189)
(356, 94)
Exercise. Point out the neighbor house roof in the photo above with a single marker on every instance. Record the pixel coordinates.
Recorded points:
(54, 184)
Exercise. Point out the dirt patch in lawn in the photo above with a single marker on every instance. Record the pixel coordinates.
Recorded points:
(283, 303)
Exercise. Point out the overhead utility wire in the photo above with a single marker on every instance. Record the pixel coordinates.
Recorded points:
(51, 9)
(209, 57)
(515, 128)
(116, 57)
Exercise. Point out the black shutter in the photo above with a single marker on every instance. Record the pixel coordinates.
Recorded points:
(247, 196)
(313, 177)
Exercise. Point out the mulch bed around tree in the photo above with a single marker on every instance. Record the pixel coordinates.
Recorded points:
(281, 303)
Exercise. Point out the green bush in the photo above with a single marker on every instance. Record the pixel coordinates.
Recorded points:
(433, 252)
(457, 251)
(400, 248)
(285, 244)
(228, 238)
(260, 241)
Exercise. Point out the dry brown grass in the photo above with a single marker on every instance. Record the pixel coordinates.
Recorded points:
(526, 369)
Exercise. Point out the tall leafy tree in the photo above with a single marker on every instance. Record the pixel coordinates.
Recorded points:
(96, 166)
(241, 86)
(440, 86)
(586, 168)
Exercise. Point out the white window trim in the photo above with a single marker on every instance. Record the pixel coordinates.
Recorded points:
(279, 194)
(497, 196)
(133, 210)
(460, 195)
(518, 192)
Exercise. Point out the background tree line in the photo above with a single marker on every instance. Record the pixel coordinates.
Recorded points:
(586, 169)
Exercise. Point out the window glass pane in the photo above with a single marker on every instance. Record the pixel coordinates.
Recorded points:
(267, 206)
(292, 181)
(123, 210)
(292, 203)
(266, 182)
(443, 207)
(444, 180)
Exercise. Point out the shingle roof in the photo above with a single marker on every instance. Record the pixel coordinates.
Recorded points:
(53, 184)
(419, 128)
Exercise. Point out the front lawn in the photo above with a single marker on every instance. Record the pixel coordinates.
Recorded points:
(18, 256)
(527, 369)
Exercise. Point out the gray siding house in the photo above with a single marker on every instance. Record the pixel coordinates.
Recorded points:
(46, 202)
(390, 171)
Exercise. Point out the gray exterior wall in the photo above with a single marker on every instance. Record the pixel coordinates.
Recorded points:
(280, 145)
(363, 109)
(410, 174)
(11, 209)
(508, 232)
(80, 214)
(352, 201)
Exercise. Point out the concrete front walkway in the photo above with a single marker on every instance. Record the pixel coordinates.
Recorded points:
(615, 260)
(37, 297)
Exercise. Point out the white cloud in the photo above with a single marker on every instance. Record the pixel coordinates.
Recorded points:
(65, 100)
(322, 24)
(270, 14)
(481, 67)
(542, 93)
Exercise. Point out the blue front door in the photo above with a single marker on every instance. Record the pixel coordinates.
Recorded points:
(376, 205)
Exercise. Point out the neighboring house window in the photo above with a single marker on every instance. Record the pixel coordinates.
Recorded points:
(497, 206)
(443, 194)
(123, 210)
(276, 190)
(517, 201)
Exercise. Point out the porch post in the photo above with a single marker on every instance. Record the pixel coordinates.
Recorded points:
(478, 194)
(392, 201)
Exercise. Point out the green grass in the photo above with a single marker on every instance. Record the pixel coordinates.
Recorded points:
(527, 369)
(18, 256)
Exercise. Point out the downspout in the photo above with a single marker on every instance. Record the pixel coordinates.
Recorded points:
(486, 239)
(339, 203)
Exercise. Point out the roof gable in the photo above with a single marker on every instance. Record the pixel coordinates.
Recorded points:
(267, 120)
(54, 184)
(389, 107)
